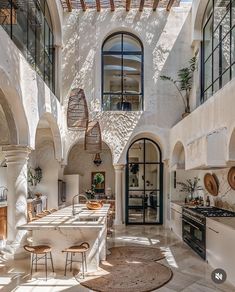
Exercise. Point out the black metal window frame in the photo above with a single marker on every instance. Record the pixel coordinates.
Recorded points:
(122, 53)
(48, 56)
(214, 47)
(160, 189)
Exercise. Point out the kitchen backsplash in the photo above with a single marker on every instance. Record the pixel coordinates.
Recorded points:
(226, 195)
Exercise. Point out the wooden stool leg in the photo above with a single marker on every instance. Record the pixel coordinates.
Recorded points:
(85, 260)
(32, 261)
(52, 262)
(65, 268)
(46, 264)
(83, 265)
(36, 262)
(71, 261)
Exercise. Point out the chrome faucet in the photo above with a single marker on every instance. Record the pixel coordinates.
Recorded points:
(73, 203)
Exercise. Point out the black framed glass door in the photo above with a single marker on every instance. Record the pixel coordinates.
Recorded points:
(144, 183)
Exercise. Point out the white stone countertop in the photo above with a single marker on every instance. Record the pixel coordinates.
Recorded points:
(3, 204)
(227, 221)
(63, 218)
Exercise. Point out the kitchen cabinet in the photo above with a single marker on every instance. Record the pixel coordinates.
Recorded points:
(3, 222)
(220, 241)
(176, 219)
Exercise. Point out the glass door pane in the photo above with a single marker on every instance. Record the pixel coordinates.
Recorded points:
(144, 190)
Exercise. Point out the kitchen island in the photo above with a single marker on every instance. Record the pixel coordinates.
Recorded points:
(61, 229)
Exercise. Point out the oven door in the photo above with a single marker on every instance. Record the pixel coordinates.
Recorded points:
(194, 235)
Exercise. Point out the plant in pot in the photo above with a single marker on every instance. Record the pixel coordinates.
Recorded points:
(183, 83)
(190, 187)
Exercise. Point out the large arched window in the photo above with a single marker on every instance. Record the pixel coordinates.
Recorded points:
(122, 72)
(29, 25)
(218, 52)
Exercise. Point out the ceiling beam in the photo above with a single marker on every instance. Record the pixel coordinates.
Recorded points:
(98, 8)
(155, 4)
(169, 5)
(69, 5)
(141, 5)
(83, 4)
(128, 5)
(112, 6)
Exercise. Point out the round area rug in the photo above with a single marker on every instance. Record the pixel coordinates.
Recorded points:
(135, 252)
(124, 276)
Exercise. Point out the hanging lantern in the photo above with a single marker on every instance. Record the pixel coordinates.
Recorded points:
(97, 160)
(93, 140)
(77, 113)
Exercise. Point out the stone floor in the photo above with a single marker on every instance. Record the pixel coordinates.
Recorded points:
(191, 274)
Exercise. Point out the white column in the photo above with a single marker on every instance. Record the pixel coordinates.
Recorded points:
(119, 169)
(16, 159)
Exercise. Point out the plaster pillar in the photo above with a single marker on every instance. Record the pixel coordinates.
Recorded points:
(119, 181)
(16, 160)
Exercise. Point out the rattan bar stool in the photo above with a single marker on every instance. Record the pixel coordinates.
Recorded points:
(39, 252)
(72, 251)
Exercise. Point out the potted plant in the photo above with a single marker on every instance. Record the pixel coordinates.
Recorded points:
(190, 187)
(183, 83)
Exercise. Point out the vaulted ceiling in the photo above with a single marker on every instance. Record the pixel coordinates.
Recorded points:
(69, 5)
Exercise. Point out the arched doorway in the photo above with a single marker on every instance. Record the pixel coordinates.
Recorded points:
(144, 183)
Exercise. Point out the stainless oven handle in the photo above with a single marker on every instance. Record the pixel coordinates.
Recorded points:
(190, 224)
(213, 230)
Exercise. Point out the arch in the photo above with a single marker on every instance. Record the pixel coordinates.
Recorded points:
(11, 102)
(81, 140)
(144, 134)
(178, 156)
(52, 124)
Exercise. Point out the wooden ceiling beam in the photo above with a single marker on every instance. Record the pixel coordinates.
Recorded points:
(141, 5)
(98, 7)
(83, 4)
(155, 4)
(128, 5)
(69, 5)
(169, 5)
(112, 6)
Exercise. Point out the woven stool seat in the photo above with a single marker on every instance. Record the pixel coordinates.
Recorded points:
(78, 248)
(37, 249)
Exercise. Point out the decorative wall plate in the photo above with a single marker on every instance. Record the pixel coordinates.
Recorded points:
(211, 184)
(231, 177)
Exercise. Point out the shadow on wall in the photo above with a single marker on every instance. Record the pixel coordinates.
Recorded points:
(168, 98)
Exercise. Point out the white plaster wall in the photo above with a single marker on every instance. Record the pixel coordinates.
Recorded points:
(44, 157)
(26, 93)
(80, 162)
(166, 39)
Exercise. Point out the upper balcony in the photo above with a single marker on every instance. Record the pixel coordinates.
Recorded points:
(29, 25)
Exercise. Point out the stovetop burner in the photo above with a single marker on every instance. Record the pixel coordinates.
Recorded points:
(213, 212)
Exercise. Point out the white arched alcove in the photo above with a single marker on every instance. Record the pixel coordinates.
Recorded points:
(178, 156)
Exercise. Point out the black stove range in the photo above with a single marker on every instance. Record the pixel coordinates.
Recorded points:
(213, 212)
(194, 225)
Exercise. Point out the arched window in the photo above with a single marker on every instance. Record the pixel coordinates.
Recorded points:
(122, 72)
(218, 53)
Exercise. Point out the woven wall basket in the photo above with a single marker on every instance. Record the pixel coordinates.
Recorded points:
(211, 184)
